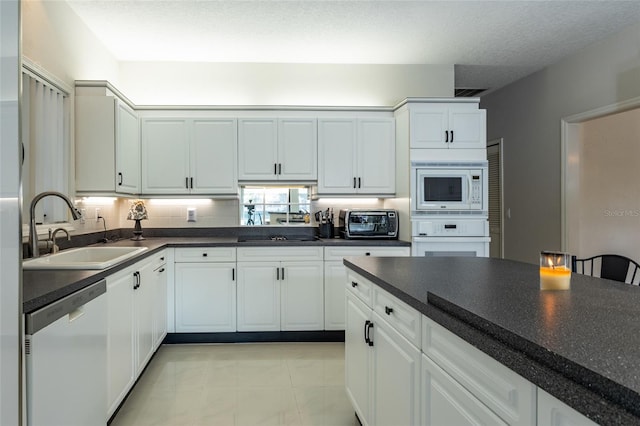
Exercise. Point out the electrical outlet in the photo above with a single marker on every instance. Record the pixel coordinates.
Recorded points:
(191, 214)
(97, 214)
(83, 215)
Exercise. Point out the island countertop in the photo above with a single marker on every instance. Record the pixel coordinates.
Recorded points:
(580, 345)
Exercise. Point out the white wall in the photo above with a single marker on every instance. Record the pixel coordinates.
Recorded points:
(173, 83)
(55, 38)
(609, 202)
(527, 115)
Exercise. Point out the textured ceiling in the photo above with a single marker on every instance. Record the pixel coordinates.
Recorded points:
(492, 43)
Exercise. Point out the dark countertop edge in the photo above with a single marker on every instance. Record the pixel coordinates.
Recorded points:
(79, 279)
(609, 403)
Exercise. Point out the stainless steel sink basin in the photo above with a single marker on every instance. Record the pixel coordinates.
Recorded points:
(83, 258)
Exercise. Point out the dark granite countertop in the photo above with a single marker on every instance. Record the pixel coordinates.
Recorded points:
(41, 287)
(581, 345)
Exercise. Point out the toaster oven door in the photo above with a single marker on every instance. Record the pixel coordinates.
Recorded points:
(371, 225)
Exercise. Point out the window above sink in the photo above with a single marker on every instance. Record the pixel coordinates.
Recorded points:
(274, 205)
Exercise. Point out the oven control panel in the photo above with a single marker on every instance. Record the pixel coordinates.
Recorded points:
(452, 228)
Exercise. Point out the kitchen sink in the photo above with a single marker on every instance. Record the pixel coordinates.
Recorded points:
(277, 238)
(83, 258)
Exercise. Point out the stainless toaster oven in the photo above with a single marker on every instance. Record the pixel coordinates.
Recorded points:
(360, 223)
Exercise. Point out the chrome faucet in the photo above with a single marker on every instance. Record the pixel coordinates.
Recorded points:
(33, 233)
(54, 247)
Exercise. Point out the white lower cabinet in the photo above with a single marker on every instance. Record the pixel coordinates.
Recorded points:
(205, 290)
(131, 332)
(335, 275)
(120, 337)
(553, 412)
(401, 368)
(382, 368)
(280, 295)
(160, 302)
(358, 357)
(507, 394)
(396, 387)
(258, 296)
(446, 402)
(301, 296)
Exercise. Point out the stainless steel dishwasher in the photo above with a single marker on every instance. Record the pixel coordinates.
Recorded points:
(66, 345)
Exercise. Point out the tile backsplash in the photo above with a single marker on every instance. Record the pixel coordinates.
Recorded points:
(172, 213)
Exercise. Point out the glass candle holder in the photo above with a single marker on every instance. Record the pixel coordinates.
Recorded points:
(555, 270)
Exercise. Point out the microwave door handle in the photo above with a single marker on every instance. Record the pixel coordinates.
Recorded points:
(469, 189)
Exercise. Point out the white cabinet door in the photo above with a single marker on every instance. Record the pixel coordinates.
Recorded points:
(358, 358)
(107, 146)
(258, 296)
(553, 412)
(356, 156)
(297, 149)
(428, 126)
(213, 156)
(205, 297)
(257, 149)
(336, 156)
(335, 275)
(396, 390)
(165, 156)
(446, 402)
(467, 128)
(120, 337)
(144, 296)
(444, 126)
(376, 153)
(160, 306)
(302, 304)
(127, 145)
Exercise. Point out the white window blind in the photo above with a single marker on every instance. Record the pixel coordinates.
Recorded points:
(45, 136)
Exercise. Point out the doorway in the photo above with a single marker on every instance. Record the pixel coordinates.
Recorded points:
(601, 207)
(496, 231)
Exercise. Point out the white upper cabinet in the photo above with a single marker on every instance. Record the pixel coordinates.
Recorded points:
(165, 156)
(356, 156)
(277, 149)
(213, 154)
(189, 156)
(447, 126)
(127, 150)
(107, 145)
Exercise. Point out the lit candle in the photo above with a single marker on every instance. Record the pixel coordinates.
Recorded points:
(555, 271)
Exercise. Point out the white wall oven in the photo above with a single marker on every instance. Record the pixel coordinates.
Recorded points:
(447, 237)
(449, 188)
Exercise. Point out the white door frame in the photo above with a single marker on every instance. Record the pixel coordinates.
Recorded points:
(570, 167)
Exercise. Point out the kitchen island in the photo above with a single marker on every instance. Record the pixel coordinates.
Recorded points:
(581, 345)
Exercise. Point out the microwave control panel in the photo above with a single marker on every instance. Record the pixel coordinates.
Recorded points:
(475, 198)
(450, 228)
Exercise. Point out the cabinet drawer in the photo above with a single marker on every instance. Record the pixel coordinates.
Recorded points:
(158, 259)
(338, 253)
(360, 286)
(405, 319)
(445, 402)
(266, 254)
(508, 394)
(206, 254)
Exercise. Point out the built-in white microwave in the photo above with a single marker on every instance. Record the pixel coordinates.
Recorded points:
(449, 188)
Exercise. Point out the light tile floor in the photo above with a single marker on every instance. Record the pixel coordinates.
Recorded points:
(241, 384)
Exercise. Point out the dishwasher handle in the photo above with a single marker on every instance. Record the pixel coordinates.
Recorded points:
(41, 318)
